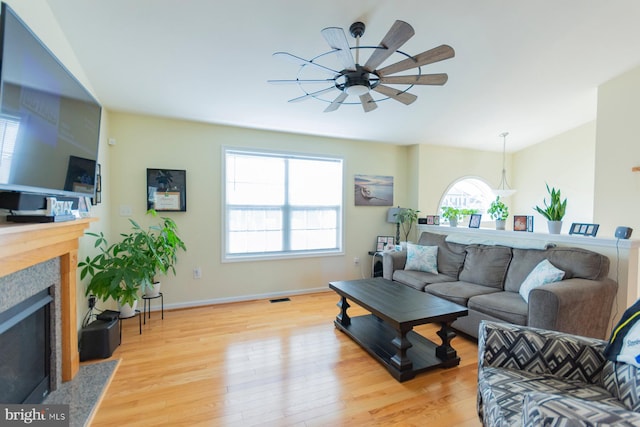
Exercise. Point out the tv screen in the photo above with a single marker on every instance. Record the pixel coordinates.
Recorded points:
(49, 123)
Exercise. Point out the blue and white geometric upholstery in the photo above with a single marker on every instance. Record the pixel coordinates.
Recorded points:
(530, 377)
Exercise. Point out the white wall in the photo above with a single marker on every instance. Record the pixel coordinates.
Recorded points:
(565, 162)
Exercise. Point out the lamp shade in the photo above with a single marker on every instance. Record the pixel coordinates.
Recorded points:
(392, 214)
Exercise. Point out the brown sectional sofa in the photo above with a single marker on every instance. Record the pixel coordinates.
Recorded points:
(486, 279)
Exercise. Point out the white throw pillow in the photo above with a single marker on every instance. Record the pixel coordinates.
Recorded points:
(543, 274)
(422, 258)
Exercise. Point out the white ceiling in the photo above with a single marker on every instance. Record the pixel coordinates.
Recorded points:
(531, 68)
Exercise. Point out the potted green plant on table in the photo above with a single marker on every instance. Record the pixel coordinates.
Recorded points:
(407, 217)
(121, 271)
(554, 211)
(453, 215)
(498, 212)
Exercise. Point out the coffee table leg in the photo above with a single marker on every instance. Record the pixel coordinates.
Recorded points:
(400, 361)
(343, 318)
(445, 351)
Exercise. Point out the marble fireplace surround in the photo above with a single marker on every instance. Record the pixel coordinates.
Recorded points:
(34, 257)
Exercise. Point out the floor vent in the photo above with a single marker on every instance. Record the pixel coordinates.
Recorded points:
(279, 300)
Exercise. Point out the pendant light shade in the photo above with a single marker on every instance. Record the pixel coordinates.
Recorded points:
(503, 190)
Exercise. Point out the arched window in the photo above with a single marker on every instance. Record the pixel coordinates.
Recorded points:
(469, 193)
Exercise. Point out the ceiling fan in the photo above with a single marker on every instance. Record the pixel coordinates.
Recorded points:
(362, 80)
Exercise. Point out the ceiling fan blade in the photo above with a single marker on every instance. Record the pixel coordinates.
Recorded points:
(301, 61)
(336, 102)
(399, 33)
(368, 104)
(404, 97)
(298, 81)
(436, 54)
(312, 94)
(425, 79)
(338, 40)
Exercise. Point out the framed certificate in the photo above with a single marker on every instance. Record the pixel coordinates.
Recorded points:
(167, 190)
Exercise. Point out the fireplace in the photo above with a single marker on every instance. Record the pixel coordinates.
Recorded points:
(39, 257)
(25, 362)
(30, 333)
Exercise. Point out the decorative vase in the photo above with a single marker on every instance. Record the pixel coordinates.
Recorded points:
(500, 224)
(127, 310)
(555, 227)
(153, 291)
(453, 222)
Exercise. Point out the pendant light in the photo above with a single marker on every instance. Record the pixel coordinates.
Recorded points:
(503, 189)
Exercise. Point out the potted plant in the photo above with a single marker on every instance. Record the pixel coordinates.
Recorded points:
(452, 214)
(407, 217)
(121, 271)
(554, 211)
(164, 252)
(499, 212)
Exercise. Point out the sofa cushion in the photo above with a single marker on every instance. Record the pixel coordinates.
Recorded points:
(523, 261)
(458, 292)
(419, 279)
(562, 410)
(450, 255)
(422, 258)
(580, 263)
(507, 306)
(623, 382)
(502, 392)
(543, 274)
(486, 265)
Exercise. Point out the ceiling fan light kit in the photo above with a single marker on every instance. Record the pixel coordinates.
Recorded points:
(366, 81)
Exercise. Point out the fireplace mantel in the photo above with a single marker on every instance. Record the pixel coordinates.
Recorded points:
(25, 245)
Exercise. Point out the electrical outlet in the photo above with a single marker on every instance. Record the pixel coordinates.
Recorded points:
(197, 273)
(92, 301)
(356, 260)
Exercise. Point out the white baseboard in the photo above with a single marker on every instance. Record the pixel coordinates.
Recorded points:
(215, 301)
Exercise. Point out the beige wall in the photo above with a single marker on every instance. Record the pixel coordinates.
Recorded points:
(565, 161)
(145, 142)
(617, 188)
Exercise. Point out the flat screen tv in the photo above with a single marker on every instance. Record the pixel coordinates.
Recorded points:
(49, 123)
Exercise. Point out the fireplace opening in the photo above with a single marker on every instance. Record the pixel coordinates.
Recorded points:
(25, 359)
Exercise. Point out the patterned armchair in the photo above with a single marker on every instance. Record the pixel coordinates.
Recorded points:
(535, 377)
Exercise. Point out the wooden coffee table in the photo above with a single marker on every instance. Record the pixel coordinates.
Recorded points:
(386, 333)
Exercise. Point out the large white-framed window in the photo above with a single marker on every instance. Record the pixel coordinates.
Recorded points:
(281, 204)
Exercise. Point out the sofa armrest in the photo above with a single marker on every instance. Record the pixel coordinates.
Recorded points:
(539, 351)
(392, 261)
(575, 306)
(542, 409)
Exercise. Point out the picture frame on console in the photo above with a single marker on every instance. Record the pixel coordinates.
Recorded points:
(474, 221)
(582, 229)
(523, 223)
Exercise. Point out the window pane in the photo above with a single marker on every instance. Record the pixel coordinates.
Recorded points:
(255, 180)
(314, 183)
(469, 193)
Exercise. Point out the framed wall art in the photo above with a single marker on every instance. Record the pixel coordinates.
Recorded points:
(373, 190)
(167, 190)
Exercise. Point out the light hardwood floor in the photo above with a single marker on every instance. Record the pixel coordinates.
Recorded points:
(279, 364)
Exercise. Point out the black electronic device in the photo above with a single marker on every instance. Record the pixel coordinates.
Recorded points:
(99, 339)
(50, 124)
(623, 232)
(108, 315)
